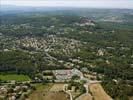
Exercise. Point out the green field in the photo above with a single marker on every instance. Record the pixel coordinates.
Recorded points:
(40, 90)
(44, 87)
(9, 77)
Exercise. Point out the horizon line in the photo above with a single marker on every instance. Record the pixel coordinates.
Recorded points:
(120, 4)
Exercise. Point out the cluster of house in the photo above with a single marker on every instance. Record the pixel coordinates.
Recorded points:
(85, 22)
(14, 91)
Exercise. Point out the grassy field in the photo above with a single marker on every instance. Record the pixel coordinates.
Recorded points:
(57, 87)
(47, 92)
(98, 92)
(56, 96)
(10, 77)
(41, 87)
(40, 91)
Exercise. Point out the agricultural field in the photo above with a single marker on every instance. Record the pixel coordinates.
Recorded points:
(48, 92)
(56, 96)
(57, 87)
(98, 92)
(40, 91)
(10, 77)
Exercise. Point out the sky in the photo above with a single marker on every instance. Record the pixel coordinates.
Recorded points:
(71, 3)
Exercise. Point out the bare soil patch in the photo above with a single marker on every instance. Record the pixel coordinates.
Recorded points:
(98, 92)
(85, 97)
(56, 96)
(57, 87)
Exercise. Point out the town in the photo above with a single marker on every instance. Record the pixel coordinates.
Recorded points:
(66, 54)
(62, 80)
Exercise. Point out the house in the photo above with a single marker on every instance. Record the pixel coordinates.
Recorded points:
(86, 22)
(3, 90)
(100, 52)
(17, 88)
(12, 98)
(84, 69)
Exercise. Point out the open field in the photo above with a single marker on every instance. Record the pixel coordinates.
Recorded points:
(45, 87)
(98, 92)
(56, 96)
(57, 87)
(40, 91)
(10, 77)
(48, 92)
(84, 97)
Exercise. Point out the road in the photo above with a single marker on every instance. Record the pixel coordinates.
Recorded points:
(68, 92)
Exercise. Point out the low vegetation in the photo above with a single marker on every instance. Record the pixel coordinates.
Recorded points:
(14, 77)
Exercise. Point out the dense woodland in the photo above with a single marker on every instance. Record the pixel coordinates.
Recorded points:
(111, 38)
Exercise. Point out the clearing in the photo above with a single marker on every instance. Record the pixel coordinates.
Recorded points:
(56, 96)
(40, 91)
(57, 87)
(48, 92)
(98, 92)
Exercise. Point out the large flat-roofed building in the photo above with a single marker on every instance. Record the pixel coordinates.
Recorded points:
(66, 74)
(63, 74)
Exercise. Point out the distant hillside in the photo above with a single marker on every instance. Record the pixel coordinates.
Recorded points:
(103, 15)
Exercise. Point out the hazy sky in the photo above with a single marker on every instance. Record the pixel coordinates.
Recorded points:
(71, 3)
